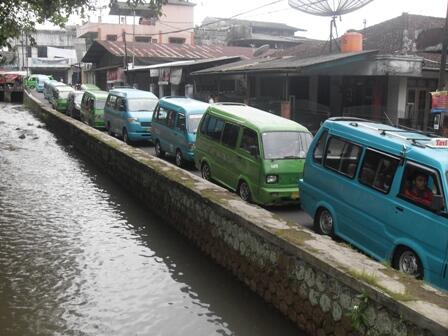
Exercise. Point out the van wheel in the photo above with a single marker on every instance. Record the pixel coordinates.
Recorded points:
(158, 149)
(205, 172)
(126, 137)
(179, 158)
(244, 191)
(405, 260)
(324, 223)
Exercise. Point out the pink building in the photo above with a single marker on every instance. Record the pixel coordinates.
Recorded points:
(176, 15)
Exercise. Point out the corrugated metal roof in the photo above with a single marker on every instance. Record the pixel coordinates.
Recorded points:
(279, 64)
(162, 51)
(261, 24)
(183, 63)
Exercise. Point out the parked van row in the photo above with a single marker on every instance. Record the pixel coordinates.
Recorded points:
(384, 190)
(380, 188)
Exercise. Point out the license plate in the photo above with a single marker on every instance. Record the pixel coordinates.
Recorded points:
(295, 195)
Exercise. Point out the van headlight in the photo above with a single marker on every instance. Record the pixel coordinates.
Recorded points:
(271, 179)
(132, 120)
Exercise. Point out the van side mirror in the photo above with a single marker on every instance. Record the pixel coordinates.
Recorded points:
(437, 203)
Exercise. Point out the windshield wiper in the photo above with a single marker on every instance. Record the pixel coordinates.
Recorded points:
(292, 157)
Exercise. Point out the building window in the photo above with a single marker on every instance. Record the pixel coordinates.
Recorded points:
(145, 39)
(42, 52)
(178, 40)
(111, 37)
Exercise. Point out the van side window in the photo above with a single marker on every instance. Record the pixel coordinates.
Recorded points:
(230, 135)
(121, 105)
(181, 122)
(161, 115)
(318, 153)
(204, 124)
(420, 185)
(342, 156)
(170, 118)
(214, 128)
(378, 170)
(249, 142)
(111, 101)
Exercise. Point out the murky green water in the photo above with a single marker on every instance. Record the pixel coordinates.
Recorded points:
(78, 256)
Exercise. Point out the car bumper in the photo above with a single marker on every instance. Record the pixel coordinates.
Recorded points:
(279, 196)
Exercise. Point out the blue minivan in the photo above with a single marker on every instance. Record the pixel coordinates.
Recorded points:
(174, 127)
(128, 114)
(384, 190)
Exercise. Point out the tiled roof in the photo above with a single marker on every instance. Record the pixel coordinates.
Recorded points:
(162, 52)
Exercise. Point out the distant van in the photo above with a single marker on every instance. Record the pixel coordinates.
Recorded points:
(92, 108)
(255, 153)
(59, 97)
(384, 190)
(174, 127)
(48, 87)
(128, 113)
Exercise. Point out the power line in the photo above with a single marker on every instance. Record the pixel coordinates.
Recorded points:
(213, 22)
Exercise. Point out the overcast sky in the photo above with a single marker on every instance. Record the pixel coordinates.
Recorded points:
(317, 27)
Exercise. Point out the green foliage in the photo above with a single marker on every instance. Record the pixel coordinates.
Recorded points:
(358, 312)
(19, 17)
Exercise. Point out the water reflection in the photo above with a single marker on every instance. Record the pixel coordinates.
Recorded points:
(78, 256)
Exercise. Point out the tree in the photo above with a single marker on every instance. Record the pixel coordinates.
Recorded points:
(17, 17)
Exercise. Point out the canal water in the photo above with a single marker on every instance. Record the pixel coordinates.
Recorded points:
(78, 256)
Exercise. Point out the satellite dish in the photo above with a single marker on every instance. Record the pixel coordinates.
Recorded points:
(261, 50)
(331, 8)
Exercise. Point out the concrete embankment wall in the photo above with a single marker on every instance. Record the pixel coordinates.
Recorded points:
(325, 287)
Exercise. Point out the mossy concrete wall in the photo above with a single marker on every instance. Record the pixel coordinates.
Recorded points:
(325, 287)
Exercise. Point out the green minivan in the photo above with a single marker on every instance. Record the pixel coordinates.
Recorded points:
(59, 97)
(92, 108)
(255, 153)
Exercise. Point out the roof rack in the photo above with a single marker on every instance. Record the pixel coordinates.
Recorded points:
(396, 133)
(229, 104)
(349, 119)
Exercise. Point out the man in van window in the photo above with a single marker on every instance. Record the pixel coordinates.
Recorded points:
(418, 191)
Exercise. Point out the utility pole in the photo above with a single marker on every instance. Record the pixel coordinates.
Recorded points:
(125, 58)
(443, 57)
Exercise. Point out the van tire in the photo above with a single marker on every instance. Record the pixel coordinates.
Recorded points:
(407, 261)
(205, 172)
(126, 137)
(158, 149)
(324, 222)
(179, 159)
(244, 191)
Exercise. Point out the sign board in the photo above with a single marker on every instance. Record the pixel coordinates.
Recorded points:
(164, 76)
(438, 143)
(153, 72)
(115, 75)
(176, 76)
(439, 102)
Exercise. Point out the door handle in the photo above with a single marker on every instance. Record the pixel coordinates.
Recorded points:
(399, 208)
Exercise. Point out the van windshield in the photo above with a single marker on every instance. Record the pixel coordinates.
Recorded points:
(141, 105)
(286, 145)
(99, 103)
(193, 122)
